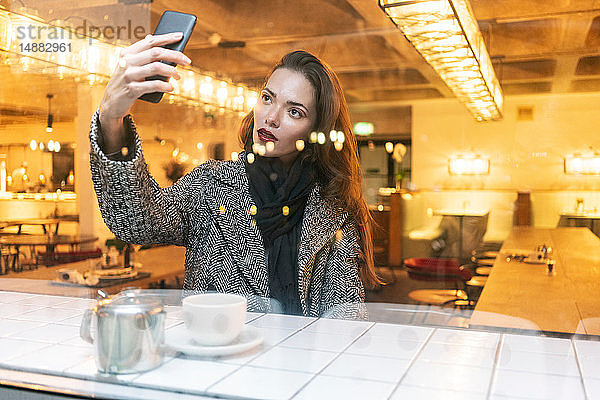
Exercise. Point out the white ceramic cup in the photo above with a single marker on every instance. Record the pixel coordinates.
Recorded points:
(214, 319)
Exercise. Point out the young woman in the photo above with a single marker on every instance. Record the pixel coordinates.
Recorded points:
(286, 220)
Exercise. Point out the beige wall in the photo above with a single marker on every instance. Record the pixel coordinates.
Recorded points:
(524, 155)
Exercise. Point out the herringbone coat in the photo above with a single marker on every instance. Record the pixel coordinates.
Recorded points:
(208, 212)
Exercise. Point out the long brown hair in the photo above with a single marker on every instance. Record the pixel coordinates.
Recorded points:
(338, 172)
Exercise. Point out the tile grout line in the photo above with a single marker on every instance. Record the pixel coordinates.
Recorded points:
(141, 374)
(499, 347)
(247, 362)
(239, 366)
(256, 318)
(15, 316)
(412, 361)
(585, 391)
(135, 383)
(206, 391)
(318, 373)
(5, 361)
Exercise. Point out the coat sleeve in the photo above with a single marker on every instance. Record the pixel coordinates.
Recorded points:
(343, 290)
(134, 207)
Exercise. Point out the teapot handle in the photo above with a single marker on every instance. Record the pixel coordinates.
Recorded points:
(84, 330)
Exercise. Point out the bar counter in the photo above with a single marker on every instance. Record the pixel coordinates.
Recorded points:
(300, 358)
(527, 296)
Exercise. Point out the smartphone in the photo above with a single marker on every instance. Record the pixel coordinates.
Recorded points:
(171, 21)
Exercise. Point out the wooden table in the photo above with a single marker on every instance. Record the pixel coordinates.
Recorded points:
(161, 262)
(50, 241)
(525, 296)
(45, 223)
(590, 219)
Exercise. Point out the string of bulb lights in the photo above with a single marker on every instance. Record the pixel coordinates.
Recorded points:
(92, 60)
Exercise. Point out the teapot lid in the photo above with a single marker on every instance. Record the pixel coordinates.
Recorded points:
(129, 304)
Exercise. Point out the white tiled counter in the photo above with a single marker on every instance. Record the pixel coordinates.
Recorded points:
(301, 358)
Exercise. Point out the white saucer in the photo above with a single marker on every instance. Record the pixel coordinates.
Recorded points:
(178, 339)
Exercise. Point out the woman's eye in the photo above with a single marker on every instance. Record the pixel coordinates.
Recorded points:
(295, 113)
(266, 97)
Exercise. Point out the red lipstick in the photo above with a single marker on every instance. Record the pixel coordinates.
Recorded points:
(266, 136)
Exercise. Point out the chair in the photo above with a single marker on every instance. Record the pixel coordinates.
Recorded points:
(381, 246)
(483, 261)
(484, 267)
(380, 235)
(7, 257)
(486, 254)
(444, 270)
(489, 246)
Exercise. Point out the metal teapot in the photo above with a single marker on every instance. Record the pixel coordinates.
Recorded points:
(129, 333)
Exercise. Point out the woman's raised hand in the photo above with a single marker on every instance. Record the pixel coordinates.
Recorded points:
(128, 82)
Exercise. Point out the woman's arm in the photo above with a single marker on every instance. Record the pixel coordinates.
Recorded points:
(133, 205)
(343, 291)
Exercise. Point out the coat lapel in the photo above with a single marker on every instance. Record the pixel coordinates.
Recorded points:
(232, 203)
(321, 221)
(232, 213)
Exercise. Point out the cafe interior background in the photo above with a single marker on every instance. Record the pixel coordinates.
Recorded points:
(519, 119)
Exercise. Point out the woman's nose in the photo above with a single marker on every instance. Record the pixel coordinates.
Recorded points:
(272, 119)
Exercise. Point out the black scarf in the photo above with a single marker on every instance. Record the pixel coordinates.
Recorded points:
(272, 188)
